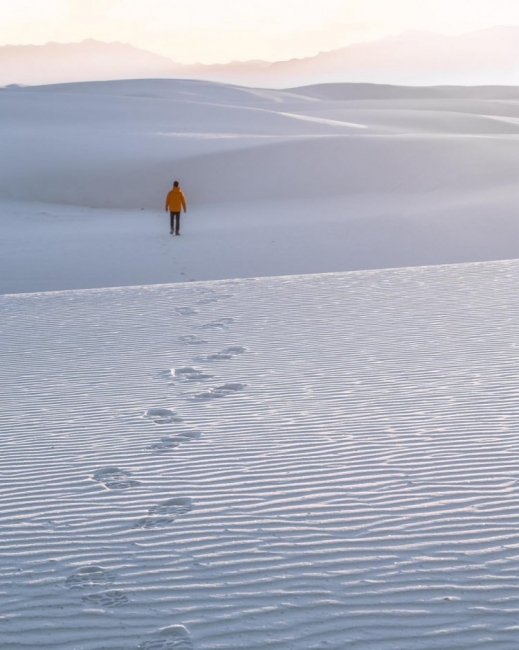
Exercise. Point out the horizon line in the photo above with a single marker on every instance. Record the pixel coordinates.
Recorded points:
(266, 61)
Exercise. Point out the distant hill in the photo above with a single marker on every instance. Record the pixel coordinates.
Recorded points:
(89, 60)
(337, 92)
(484, 57)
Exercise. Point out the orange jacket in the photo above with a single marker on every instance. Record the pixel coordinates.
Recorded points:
(176, 200)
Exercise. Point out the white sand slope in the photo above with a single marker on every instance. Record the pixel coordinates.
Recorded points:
(306, 462)
(118, 144)
(318, 179)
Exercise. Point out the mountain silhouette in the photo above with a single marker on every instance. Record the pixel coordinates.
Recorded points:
(415, 58)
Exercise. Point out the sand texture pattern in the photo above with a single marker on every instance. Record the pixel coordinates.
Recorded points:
(302, 463)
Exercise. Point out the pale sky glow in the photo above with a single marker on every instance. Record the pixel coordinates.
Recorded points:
(213, 31)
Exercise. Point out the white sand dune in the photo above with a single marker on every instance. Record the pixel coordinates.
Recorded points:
(380, 91)
(323, 461)
(118, 144)
(298, 462)
(315, 179)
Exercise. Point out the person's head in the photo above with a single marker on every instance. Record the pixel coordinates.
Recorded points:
(175, 184)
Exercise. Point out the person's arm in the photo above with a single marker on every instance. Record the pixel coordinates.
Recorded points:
(183, 201)
(167, 201)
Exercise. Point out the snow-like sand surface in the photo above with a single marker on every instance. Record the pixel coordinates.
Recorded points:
(48, 247)
(325, 461)
(278, 182)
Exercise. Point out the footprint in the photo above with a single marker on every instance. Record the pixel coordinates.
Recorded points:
(167, 444)
(190, 374)
(207, 301)
(151, 523)
(114, 479)
(162, 416)
(186, 311)
(107, 599)
(227, 353)
(192, 339)
(219, 391)
(176, 506)
(190, 435)
(176, 637)
(165, 513)
(210, 297)
(221, 324)
(89, 577)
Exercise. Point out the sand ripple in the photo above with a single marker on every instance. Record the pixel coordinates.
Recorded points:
(356, 486)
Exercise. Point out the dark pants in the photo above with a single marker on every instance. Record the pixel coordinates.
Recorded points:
(175, 221)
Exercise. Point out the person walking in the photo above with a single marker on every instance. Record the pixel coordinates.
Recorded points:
(175, 202)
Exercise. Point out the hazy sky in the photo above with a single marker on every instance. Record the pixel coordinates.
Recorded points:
(222, 30)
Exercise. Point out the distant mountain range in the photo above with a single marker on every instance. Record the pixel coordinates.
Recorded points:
(485, 57)
(87, 61)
